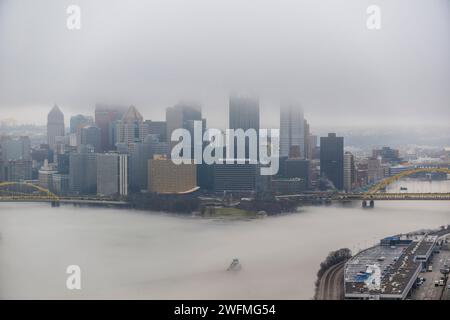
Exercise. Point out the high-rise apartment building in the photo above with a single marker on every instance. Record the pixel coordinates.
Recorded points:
(332, 159)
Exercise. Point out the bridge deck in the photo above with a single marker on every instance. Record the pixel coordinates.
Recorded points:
(63, 200)
(375, 196)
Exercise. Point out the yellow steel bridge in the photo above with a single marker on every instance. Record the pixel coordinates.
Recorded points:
(375, 191)
(27, 192)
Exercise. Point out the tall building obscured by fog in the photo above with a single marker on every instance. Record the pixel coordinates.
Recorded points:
(158, 128)
(131, 128)
(306, 138)
(91, 135)
(183, 116)
(139, 157)
(105, 118)
(244, 114)
(79, 121)
(349, 171)
(292, 129)
(55, 126)
(332, 159)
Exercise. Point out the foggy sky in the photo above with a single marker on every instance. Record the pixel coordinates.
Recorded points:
(154, 53)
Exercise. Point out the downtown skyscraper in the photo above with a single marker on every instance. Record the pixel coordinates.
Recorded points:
(292, 129)
(332, 160)
(183, 116)
(131, 129)
(244, 114)
(55, 126)
(239, 177)
(105, 118)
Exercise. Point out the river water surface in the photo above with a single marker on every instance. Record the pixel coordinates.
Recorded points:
(133, 254)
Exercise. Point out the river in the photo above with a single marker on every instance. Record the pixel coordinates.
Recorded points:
(133, 254)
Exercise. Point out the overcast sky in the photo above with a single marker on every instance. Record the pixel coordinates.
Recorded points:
(154, 53)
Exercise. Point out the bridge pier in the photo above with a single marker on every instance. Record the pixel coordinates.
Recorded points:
(371, 204)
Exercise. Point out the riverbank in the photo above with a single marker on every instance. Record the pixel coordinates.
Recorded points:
(197, 203)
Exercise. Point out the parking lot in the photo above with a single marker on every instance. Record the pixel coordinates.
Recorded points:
(428, 290)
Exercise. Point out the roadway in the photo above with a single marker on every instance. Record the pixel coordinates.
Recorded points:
(331, 285)
(428, 290)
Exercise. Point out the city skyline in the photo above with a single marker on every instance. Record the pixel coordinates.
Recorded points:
(336, 69)
(226, 149)
(139, 140)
